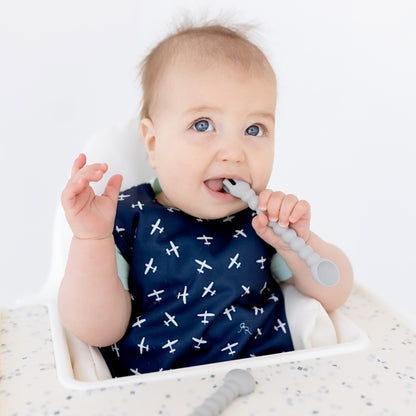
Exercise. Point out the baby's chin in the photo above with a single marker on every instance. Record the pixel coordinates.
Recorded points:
(216, 211)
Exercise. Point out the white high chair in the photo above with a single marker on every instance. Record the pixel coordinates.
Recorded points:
(123, 149)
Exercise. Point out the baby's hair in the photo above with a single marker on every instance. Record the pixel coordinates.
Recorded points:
(209, 43)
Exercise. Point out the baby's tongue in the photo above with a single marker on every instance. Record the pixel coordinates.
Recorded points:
(214, 184)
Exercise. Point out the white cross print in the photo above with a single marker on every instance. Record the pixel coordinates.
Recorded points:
(116, 349)
(139, 322)
(259, 333)
(183, 295)
(246, 290)
(199, 341)
(261, 260)
(206, 239)
(138, 205)
(142, 346)
(171, 319)
(208, 290)
(169, 344)
(257, 310)
(122, 197)
(172, 209)
(149, 266)
(204, 265)
(156, 293)
(173, 249)
(273, 297)
(239, 232)
(120, 229)
(230, 348)
(280, 326)
(234, 262)
(205, 315)
(229, 218)
(228, 311)
(155, 227)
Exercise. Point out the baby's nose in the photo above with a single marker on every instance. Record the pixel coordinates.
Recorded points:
(231, 150)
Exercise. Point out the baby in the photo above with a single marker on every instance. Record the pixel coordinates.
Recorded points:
(178, 272)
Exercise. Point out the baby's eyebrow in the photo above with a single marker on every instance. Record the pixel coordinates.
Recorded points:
(201, 109)
(213, 109)
(262, 114)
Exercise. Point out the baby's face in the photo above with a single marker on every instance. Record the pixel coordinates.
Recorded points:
(209, 124)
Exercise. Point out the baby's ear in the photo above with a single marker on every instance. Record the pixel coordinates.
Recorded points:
(148, 133)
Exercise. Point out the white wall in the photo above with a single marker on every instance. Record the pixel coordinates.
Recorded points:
(346, 126)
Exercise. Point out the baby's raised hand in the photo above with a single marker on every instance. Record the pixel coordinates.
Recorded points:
(90, 216)
(288, 211)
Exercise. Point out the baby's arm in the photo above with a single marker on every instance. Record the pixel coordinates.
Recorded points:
(92, 301)
(289, 211)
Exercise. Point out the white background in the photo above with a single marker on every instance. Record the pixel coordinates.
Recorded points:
(345, 133)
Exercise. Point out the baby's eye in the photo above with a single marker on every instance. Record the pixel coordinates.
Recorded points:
(254, 130)
(203, 125)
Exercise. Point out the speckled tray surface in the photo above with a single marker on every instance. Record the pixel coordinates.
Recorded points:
(379, 379)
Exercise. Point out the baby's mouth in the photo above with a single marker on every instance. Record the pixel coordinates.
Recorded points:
(215, 185)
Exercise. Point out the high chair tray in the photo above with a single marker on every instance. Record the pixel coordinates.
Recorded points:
(372, 374)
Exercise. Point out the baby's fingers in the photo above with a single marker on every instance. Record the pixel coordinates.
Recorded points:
(113, 187)
(90, 172)
(80, 180)
(70, 193)
(79, 163)
(288, 204)
(73, 192)
(302, 210)
(271, 203)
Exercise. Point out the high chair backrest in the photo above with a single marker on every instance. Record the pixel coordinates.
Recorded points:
(122, 148)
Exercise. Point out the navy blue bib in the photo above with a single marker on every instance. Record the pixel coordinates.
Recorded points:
(201, 290)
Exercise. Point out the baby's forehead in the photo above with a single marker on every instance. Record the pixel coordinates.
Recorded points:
(215, 49)
(201, 49)
(234, 64)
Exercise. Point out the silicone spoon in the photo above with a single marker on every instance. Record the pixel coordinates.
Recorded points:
(324, 271)
(236, 383)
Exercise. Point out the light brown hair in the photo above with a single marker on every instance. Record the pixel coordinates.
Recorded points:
(209, 44)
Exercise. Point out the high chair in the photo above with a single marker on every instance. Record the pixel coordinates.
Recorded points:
(360, 359)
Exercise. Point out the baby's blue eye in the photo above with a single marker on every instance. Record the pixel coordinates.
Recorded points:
(254, 130)
(203, 125)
